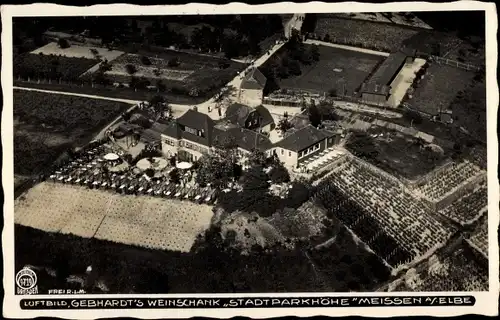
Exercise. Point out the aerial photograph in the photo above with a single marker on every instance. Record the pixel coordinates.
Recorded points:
(251, 153)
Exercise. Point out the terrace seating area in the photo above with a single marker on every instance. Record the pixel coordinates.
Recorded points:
(91, 170)
(469, 208)
(321, 160)
(479, 239)
(449, 180)
(386, 213)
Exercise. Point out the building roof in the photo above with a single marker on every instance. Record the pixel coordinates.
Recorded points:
(304, 138)
(150, 135)
(267, 118)
(200, 121)
(244, 138)
(387, 70)
(254, 79)
(238, 114)
(374, 88)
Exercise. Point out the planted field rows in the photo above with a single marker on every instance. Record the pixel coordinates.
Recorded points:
(469, 208)
(48, 124)
(143, 221)
(455, 271)
(449, 180)
(479, 240)
(372, 35)
(384, 212)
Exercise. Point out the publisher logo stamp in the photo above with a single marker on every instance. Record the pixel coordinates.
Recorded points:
(26, 281)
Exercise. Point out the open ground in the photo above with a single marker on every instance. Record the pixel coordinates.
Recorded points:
(78, 51)
(335, 69)
(143, 221)
(439, 87)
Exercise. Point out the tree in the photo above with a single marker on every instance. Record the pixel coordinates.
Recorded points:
(279, 174)
(160, 108)
(326, 38)
(145, 60)
(412, 116)
(131, 69)
(294, 68)
(174, 62)
(314, 115)
(175, 176)
(314, 52)
(63, 43)
(284, 125)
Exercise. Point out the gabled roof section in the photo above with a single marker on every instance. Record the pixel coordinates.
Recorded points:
(254, 79)
(266, 116)
(238, 113)
(245, 139)
(304, 138)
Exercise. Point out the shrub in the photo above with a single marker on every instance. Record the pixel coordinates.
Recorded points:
(131, 69)
(63, 43)
(175, 62)
(145, 60)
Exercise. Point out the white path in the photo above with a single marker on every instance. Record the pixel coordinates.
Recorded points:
(341, 46)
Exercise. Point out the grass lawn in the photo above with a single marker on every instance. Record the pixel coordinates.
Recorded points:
(335, 67)
(439, 87)
(398, 154)
(47, 124)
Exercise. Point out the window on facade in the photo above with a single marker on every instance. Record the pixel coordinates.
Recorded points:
(282, 152)
(289, 153)
(192, 131)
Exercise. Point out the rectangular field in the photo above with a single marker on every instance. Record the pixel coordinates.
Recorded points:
(77, 51)
(439, 88)
(41, 66)
(47, 124)
(367, 34)
(335, 68)
(143, 221)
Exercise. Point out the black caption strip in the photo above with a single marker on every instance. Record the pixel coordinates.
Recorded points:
(253, 302)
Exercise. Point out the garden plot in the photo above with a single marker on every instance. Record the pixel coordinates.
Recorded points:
(158, 69)
(77, 51)
(143, 221)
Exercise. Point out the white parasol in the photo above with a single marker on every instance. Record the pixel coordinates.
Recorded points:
(111, 157)
(184, 165)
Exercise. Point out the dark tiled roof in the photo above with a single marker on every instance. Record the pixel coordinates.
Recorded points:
(374, 88)
(150, 135)
(254, 79)
(387, 70)
(200, 121)
(266, 116)
(238, 113)
(244, 138)
(304, 138)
